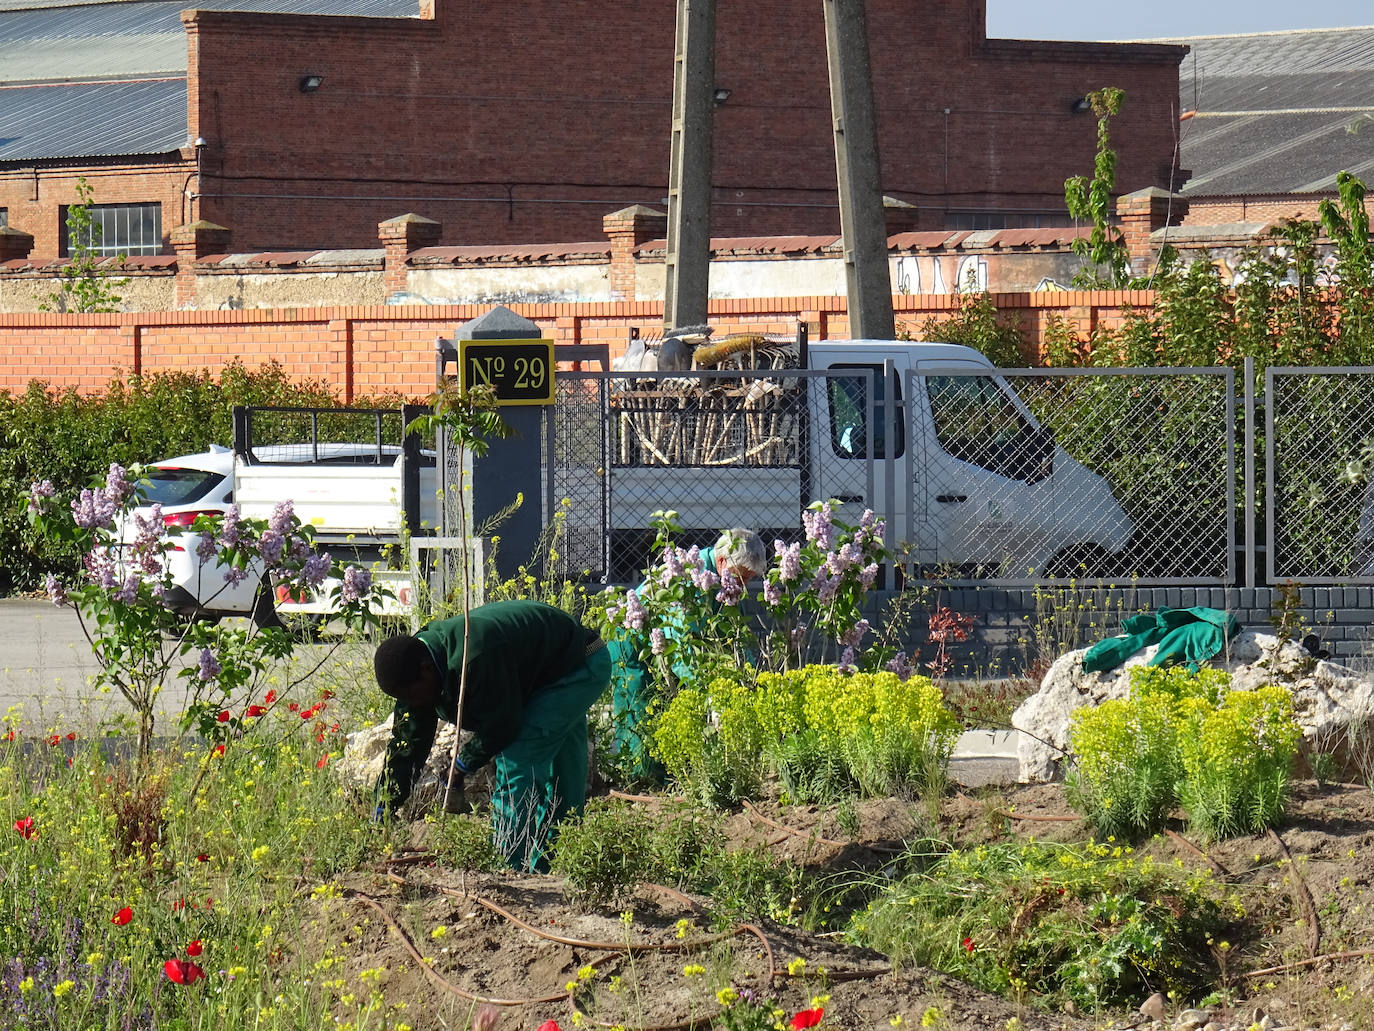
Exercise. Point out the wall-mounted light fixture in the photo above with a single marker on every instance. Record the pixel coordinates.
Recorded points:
(200, 141)
(310, 83)
(1081, 106)
(720, 95)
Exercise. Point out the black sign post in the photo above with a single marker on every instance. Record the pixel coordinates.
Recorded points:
(520, 371)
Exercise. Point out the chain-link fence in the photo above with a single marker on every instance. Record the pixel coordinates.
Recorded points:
(1319, 425)
(1033, 474)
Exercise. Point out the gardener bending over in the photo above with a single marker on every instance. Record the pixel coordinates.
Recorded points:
(533, 672)
(739, 553)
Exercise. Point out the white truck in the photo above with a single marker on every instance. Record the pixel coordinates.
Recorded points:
(966, 475)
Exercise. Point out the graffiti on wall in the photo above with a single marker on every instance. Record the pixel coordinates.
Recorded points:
(941, 274)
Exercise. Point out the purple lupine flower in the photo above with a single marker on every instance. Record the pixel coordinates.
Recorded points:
(356, 583)
(789, 560)
(118, 487)
(634, 611)
(868, 575)
(41, 495)
(229, 530)
(658, 641)
(270, 546)
(847, 662)
(854, 636)
(731, 589)
(128, 591)
(772, 591)
(55, 590)
(280, 521)
(900, 665)
(209, 665)
(315, 569)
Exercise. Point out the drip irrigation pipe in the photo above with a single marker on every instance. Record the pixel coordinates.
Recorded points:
(1304, 897)
(1308, 962)
(1035, 817)
(1216, 867)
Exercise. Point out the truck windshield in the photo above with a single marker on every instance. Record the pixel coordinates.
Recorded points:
(976, 421)
(849, 433)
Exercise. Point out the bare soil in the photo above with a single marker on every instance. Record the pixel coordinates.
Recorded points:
(516, 941)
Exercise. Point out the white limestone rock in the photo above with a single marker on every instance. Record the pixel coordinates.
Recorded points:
(1328, 699)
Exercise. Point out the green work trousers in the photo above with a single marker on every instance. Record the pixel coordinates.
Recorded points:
(541, 776)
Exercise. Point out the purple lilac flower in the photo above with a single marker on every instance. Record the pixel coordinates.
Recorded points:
(847, 662)
(772, 592)
(229, 530)
(118, 487)
(55, 590)
(614, 612)
(658, 641)
(316, 568)
(868, 575)
(854, 636)
(280, 521)
(692, 558)
(206, 548)
(672, 564)
(356, 583)
(100, 567)
(789, 560)
(798, 635)
(634, 611)
(209, 665)
(298, 548)
(270, 546)
(233, 577)
(41, 495)
(93, 510)
(731, 589)
(819, 527)
(128, 591)
(900, 665)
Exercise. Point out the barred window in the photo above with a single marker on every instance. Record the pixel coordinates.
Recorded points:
(119, 229)
(992, 218)
(4, 217)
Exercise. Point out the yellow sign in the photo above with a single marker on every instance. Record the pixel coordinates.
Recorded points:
(520, 371)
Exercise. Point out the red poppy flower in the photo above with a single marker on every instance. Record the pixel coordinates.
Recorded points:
(69, 760)
(71, 735)
(322, 762)
(270, 698)
(182, 971)
(178, 905)
(217, 751)
(968, 944)
(203, 858)
(254, 710)
(9, 736)
(326, 694)
(25, 827)
(550, 1025)
(122, 917)
(293, 707)
(223, 716)
(309, 714)
(807, 1018)
(195, 948)
(210, 904)
(53, 739)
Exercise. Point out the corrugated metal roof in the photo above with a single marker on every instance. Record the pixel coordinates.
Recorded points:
(47, 42)
(91, 119)
(1277, 112)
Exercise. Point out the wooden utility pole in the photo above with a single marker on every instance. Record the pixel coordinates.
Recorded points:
(688, 261)
(863, 230)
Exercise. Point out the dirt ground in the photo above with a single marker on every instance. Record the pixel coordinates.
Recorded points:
(516, 940)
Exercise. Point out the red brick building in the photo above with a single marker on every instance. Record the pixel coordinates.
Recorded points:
(518, 123)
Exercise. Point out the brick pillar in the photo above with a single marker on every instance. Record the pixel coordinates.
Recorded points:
(1141, 213)
(627, 229)
(14, 243)
(193, 242)
(402, 236)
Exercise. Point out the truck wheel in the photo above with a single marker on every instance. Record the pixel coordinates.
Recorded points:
(1079, 561)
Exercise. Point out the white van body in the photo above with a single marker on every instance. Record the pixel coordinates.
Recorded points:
(1006, 499)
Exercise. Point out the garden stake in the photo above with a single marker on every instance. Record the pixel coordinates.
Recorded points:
(1309, 909)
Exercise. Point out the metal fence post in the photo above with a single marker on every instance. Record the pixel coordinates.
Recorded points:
(1250, 544)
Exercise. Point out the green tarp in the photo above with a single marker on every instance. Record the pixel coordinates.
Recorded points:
(1190, 636)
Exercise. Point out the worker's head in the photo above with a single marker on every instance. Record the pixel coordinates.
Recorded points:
(405, 670)
(740, 552)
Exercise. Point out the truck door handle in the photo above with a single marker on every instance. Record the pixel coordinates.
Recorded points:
(849, 498)
(946, 499)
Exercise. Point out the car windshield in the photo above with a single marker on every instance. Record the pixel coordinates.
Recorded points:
(173, 486)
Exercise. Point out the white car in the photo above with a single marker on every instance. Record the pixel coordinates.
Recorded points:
(203, 484)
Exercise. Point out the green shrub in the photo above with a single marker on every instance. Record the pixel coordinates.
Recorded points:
(1092, 924)
(1182, 738)
(1237, 758)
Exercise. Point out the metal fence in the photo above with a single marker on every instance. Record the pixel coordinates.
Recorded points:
(1319, 508)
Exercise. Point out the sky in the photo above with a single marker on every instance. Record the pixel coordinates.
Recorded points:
(1084, 20)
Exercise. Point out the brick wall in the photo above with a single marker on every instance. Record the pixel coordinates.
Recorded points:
(368, 350)
(525, 129)
(1208, 211)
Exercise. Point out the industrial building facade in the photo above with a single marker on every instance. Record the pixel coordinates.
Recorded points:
(531, 122)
